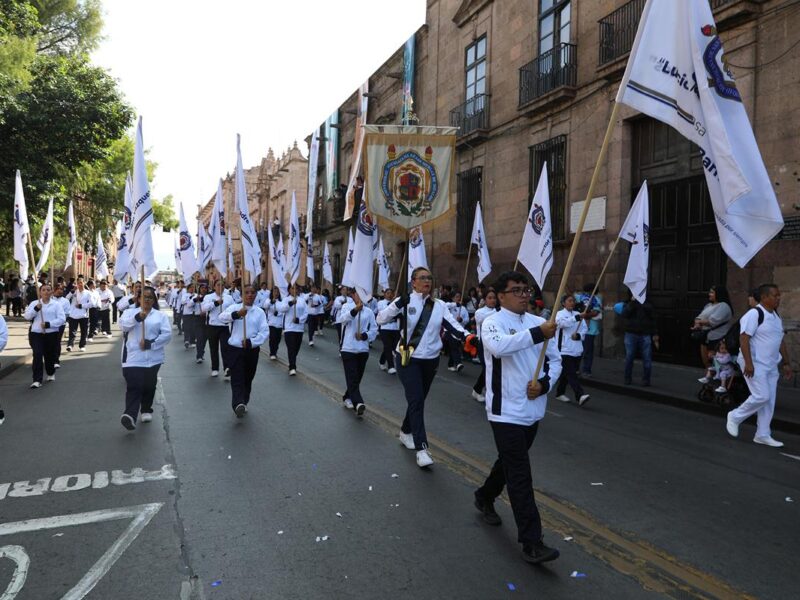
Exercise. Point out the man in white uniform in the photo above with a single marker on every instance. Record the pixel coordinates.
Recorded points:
(762, 348)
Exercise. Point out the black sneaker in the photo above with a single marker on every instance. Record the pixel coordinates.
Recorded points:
(127, 422)
(240, 410)
(360, 408)
(539, 553)
(487, 508)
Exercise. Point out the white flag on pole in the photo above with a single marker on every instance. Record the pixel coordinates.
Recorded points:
(416, 251)
(676, 73)
(177, 253)
(217, 232)
(250, 247)
(21, 229)
(363, 256)
(231, 264)
(384, 273)
(536, 249)
(294, 242)
(122, 265)
(348, 261)
(203, 247)
(73, 236)
(101, 260)
(188, 263)
(275, 257)
(141, 239)
(310, 258)
(327, 269)
(45, 241)
(636, 230)
(313, 162)
(479, 239)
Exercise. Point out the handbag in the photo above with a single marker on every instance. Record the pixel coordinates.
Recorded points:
(700, 335)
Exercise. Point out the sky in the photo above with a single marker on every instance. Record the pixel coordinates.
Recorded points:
(201, 71)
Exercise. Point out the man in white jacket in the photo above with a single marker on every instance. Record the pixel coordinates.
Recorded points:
(358, 330)
(78, 318)
(512, 341)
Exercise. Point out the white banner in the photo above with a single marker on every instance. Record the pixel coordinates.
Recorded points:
(361, 271)
(327, 270)
(101, 260)
(188, 263)
(479, 239)
(45, 241)
(140, 249)
(217, 231)
(251, 251)
(348, 261)
(536, 249)
(313, 165)
(416, 251)
(21, 229)
(384, 272)
(73, 236)
(276, 260)
(294, 243)
(636, 230)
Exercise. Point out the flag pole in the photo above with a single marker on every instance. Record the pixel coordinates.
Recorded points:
(402, 264)
(244, 275)
(579, 230)
(603, 272)
(466, 270)
(35, 274)
(141, 296)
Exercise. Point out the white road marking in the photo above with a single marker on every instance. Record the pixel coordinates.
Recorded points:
(22, 562)
(141, 515)
(554, 413)
(790, 456)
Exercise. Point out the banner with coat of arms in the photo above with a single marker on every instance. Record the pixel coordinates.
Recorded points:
(410, 172)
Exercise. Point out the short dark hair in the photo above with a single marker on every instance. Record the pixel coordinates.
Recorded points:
(764, 289)
(502, 281)
(417, 270)
(755, 294)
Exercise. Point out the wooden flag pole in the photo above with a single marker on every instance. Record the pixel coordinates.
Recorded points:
(35, 275)
(466, 270)
(603, 272)
(589, 194)
(402, 269)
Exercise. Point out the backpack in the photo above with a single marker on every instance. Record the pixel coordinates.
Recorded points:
(732, 337)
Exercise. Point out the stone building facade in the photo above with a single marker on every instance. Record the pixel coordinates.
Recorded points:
(533, 81)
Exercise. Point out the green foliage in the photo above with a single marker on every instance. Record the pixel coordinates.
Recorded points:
(68, 26)
(18, 43)
(164, 213)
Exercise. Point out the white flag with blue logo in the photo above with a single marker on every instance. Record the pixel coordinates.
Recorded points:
(45, 241)
(101, 260)
(140, 242)
(294, 243)
(361, 271)
(188, 263)
(327, 270)
(276, 260)
(348, 261)
(73, 236)
(122, 265)
(677, 74)
(250, 247)
(636, 230)
(384, 272)
(479, 239)
(21, 229)
(216, 230)
(536, 249)
(416, 251)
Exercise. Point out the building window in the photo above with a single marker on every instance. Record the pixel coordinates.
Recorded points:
(476, 69)
(555, 17)
(554, 153)
(470, 184)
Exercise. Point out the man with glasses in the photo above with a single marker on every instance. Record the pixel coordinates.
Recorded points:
(512, 341)
(420, 337)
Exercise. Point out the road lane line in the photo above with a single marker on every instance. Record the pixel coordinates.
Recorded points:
(790, 456)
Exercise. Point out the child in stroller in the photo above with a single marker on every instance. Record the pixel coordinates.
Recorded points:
(724, 370)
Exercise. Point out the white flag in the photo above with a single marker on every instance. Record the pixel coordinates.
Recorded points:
(203, 247)
(358, 144)
(416, 251)
(231, 264)
(250, 247)
(217, 231)
(536, 249)
(188, 263)
(122, 266)
(21, 229)
(384, 273)
(177, 252)
(479, 239)
(313, 163)
(73, 236)
(276, 260)
(676, 73)
(310, 258)
(101, 260)
(636, 230)
(348, 261)
(141, 239)
(361, 271)
(327, 270)
(294, 243)
(45, 241)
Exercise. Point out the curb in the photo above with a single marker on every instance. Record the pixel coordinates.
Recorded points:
(9, 367)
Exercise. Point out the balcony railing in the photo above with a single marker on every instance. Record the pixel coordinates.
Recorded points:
(715, 4)
(553, 69)
(618, 30)
(471, 116)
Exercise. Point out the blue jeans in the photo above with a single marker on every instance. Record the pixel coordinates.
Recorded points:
(588, 353)
(642, 344)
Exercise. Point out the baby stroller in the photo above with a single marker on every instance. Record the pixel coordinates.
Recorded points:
(733, 396)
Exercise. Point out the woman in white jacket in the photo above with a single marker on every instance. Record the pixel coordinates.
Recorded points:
(142, 356)
(46, 316)
(274, 321)
(295, 312)
(359, 329)
(571, 328)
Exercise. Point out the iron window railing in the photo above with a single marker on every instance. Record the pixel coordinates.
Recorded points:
(553, 69)
(472, 115)
(618, 30)
(470, 185)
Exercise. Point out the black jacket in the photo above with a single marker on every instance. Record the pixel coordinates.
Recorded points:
(639, 318)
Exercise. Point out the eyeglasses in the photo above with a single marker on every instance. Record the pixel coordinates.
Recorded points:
(519, 292)
(424, 277)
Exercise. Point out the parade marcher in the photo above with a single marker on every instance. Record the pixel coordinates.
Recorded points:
(358, 330)
(572, 327)
(200, 321)
(78, 317)
(426, 317)
(3, 342)
(262, 295)
(295, 313)
(390, 334)
(274, 321)
(142, 356)
(58, 296)
(512, 340)
(90, 285)
(130, 300)
(175, 302)
(316, 308)
(46, 316)
(118, 289)
(217, 332)
(188, 309)
(490, 307)
(337, 304)
(243, 351)
(455, 354)
(105, 298)
(235, 293)
(762, 347)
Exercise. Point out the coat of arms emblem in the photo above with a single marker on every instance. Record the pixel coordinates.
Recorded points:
(409, 183)
(537, 219)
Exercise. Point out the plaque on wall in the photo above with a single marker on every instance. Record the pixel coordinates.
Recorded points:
(595, 220)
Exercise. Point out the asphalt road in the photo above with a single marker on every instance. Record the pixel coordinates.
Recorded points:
(198, 504)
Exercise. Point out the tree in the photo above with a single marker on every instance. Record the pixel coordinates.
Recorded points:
(164, 213)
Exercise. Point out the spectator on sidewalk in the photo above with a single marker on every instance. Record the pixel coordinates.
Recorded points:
(713, 322)
(640, 337)
(594, 306)
(762, 346)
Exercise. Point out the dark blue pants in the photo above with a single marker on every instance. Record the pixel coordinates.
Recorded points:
(177, 318)
(74, 324)
(354, 364)
(294, 339)
(513, 469)
(389, 338)
(480, 382)
(569, 375)
(416, 378)
(243, 365)
(189, 333)
(274, 340)
(312, 321)
(200, 336)
(218, 342)
(140, 389)
(641, 344)
(60, 337)
(588, 353)
(45, 350)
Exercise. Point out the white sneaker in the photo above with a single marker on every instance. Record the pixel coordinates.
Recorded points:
(227, 374)
(478, 397)
(562, 398)
(214, 373)
(292, 372)
(240, 410)
(407, 440)
(703, 380)
(127, 422)
(192, 345)
(109, 336)
(732, 426)
(146, 417)
(56, 366)
(721, 389)
(392, 371)
(91, 339)
(451, 368)
(311, 343)
(360, 408)
(36, 384)
(382, 367)
(82, 349)
(198, 361)
(583, 399)
(69, 348)
(459, 367)
(424, 459)
(768, 441)
(50, 378)
(348, 403)
(273, 357)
